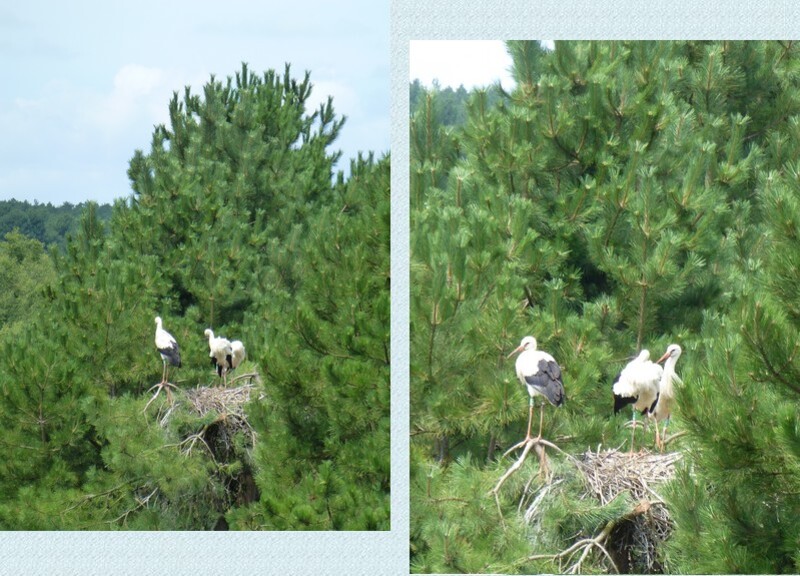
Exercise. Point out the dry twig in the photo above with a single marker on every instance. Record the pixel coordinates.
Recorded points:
(159, 387)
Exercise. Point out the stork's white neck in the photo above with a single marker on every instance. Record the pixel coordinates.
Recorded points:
(669, 365)
(668, 375)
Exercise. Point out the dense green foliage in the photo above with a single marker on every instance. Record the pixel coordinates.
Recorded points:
(624, 195)
(25, 267)
(236, 223)
(46, 223)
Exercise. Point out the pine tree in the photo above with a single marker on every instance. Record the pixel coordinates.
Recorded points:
(326, 412)
(741, 414)
(224, 180)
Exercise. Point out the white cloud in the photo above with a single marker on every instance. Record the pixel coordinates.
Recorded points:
(27, 103)
(345, 99)
(472, 63)
(138, 93)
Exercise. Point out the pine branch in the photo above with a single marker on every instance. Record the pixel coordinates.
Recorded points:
(141, 502)
(757, 343)
(311, 344)
(89, 497)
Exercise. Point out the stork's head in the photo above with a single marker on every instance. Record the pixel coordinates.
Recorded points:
(644, 355)
(158, 321)
(528, 343)
(673, 351)
(208, 333)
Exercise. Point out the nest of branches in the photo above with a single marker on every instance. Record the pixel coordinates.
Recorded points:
(628, 542)
(611, 472)
(633, 543)
(228, 401)
(213, 420)
(228, 404)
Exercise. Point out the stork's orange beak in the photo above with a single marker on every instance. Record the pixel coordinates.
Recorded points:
(514, 351)
(664, 357)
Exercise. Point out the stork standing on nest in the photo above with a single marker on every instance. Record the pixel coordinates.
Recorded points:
(637, 384)
(170, 352)
(237, 354)
(220, 353)
(666, 393)
(541, 375)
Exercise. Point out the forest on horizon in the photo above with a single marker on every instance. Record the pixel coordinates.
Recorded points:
(236, 222)
(623, 195)
(45, 222)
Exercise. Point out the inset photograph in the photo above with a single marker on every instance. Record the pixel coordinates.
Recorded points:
(604, 310)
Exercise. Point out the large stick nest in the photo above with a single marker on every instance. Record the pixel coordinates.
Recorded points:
(627, 543)
(634, 543)
(213, 419)
(229, 406)
(611, 472)
(229, 401)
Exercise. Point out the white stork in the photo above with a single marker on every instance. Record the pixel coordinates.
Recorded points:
(637, 384)
(666, 395)
(541, 375)
(220, 353)
(237, 353)
(170, 352)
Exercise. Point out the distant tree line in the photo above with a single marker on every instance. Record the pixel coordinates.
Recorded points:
(450, 103)
(44, 222)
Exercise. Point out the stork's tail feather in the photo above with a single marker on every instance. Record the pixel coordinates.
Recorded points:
(171, 355)
(653, 405)
(621, 401)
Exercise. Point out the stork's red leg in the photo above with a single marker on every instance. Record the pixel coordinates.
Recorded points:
(658, 437)
(530, 418)
(541, 420)
(663, 435)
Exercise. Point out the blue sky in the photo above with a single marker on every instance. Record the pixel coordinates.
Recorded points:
(85, 82)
